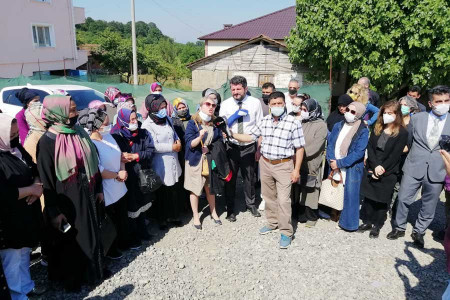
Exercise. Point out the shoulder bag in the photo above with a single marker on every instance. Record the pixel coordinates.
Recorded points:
(332, 192)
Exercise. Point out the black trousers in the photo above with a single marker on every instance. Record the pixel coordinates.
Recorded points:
(373, 212)
(119, 215)
(241, 158)
(167, 204)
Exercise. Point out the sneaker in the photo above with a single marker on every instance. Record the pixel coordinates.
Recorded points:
(266, 230)
(114, 254)
(285, 241)
(262, 205)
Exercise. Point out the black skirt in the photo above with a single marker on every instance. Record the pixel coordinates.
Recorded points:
(380, 190)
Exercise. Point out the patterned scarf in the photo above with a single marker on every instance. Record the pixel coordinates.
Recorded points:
(91, 119)
(123, 123)
(72, 144)
(34, 119)
(314, 110)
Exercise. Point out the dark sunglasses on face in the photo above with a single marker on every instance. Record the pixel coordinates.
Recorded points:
(210, 104)
(353, 112)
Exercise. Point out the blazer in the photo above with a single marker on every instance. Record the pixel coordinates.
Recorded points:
(193, 155)
(422, 160)
(392, 153)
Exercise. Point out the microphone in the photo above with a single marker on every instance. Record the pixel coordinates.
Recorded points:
(221, 123)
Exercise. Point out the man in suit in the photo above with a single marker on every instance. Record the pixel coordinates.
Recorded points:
(423, 166)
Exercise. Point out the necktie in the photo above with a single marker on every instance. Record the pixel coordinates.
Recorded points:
(240, 120)
(434, 134)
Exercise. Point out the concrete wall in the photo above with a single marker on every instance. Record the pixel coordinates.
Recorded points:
(16, 37)
(214, 46)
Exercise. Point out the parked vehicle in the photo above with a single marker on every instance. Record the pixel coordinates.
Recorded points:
(9, 104)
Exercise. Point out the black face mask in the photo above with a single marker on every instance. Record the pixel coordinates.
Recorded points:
(14, 143)
(72, 121)
(292, 91)
(265, 99)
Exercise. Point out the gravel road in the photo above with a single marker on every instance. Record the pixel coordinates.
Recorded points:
(233, 261)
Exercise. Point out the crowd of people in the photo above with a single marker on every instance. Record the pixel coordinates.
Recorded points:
(86, 186)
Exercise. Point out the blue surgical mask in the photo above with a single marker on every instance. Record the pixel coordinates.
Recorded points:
(162, 113)
(277, 111)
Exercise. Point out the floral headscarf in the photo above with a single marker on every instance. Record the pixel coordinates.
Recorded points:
(34, 118)
(111, 93)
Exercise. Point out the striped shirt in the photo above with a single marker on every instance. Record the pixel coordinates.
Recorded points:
(279, 140)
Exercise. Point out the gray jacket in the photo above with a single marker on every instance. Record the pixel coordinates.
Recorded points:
(422, 160)
(315, 133)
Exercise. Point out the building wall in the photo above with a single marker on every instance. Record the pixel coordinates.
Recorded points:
(16, 37)
(215, 46)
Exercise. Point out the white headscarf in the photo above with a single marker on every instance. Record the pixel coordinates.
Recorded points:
(5, 136)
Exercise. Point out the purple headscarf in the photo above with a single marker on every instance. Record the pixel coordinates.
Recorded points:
(123, 123)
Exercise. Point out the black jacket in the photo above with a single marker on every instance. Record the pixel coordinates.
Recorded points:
(219, 166)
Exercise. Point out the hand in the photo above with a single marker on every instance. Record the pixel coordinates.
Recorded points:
(446, 157)
(365, 122)
(36, 190)
(379, 171)
(56, 222)
(30, 199)
(125, 157)
(122, 175)
(100, 197)
(202, 133)
(257, 155)
(333, 164)
(295, 175)
(176, 147)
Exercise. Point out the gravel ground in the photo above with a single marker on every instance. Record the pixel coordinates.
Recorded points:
(233, 261)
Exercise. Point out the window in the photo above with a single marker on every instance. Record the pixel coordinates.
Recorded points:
(263, 78)
(42, 36)
(83, 97)
(9, 96)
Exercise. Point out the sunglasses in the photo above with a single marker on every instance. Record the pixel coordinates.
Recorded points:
(353, 112)
(208, 104)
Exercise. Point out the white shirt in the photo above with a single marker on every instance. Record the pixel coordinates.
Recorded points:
(337, 148)
(288, 100)
(255, 114)
(431, 118)
(109, 159)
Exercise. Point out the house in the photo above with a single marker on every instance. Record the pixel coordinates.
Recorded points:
(39, 35)
(276, 26)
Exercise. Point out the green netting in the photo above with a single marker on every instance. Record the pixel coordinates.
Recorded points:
(320, 92)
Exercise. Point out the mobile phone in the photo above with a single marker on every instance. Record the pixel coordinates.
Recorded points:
(65, 226)
(444, 142)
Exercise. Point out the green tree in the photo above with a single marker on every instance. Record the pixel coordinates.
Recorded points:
(393, 42)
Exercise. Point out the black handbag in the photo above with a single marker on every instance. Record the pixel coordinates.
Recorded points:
(108, 231)
(149, 181)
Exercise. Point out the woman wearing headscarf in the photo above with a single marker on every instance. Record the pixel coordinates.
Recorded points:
(37, 128)
(156, 89)
(26, 97)
(68, 166)
(360, 94)
(165, 162)
(218, 99)
(305, 194)
(346, 147)
(137, 153)
(200, 134)
(112, 95)
(20, 213)
(338, 114)
(385, 148)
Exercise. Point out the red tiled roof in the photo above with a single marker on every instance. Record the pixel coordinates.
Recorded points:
(276, 25)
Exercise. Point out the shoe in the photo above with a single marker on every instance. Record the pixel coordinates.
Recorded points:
(395, 234)
(44, 261)
(114, 254)
(254, 211)
(310, 224)
(285, 241)
(107, 274)
(231, 218)
(217, 222)
(198, 227)
(364, 227)
(418, 239)
(145, 236)
(37, 291)
(135, 245)
(262, 205)
(374, 233)
(163, 226)
(266, 230)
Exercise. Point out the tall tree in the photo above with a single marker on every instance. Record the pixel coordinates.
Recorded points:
(393, 42)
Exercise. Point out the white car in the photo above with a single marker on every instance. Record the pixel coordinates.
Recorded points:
(9, 104)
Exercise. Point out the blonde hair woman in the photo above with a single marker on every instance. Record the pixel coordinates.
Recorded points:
(360, 94)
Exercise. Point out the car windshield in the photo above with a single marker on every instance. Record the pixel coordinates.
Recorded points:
(83, 97)
(9, 96)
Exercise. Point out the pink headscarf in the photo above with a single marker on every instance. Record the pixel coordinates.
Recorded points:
(96, 104)
(5, 136)
(154, 86)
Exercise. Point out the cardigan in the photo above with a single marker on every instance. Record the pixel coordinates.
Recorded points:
(193, 155)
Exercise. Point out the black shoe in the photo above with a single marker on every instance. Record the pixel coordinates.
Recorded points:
(364, 227)
(395, 234)
(136, 245)
(163, 226)
(145, 236)
(374, 233)
(217, 222)
(37, 291)
(114, 254)
(231, 218)
(254, 211)
(199, 227)
(418, 239)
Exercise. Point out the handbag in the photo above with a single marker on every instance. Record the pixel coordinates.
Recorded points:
(332, 192)
(205, 165)
(148, 180)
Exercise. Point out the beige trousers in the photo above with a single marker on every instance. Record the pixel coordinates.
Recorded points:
(276, 191)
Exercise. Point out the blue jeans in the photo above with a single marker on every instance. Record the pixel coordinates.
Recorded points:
(16, 265)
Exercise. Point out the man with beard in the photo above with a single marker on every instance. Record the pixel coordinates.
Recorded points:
(242, 112)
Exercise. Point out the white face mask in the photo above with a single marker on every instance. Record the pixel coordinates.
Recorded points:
(156, 93)
(304, 115)
(204, 116)
(349, 117)
(295, 108)
(387, 119)
(441, 109)
(105, 129)
(133, 127)
(277, 111)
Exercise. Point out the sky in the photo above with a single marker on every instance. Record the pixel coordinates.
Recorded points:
(183, 20)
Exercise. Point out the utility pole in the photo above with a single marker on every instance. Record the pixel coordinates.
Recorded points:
(133, 40)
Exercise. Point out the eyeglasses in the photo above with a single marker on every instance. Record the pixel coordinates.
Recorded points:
(353, 112)
(208, 104)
